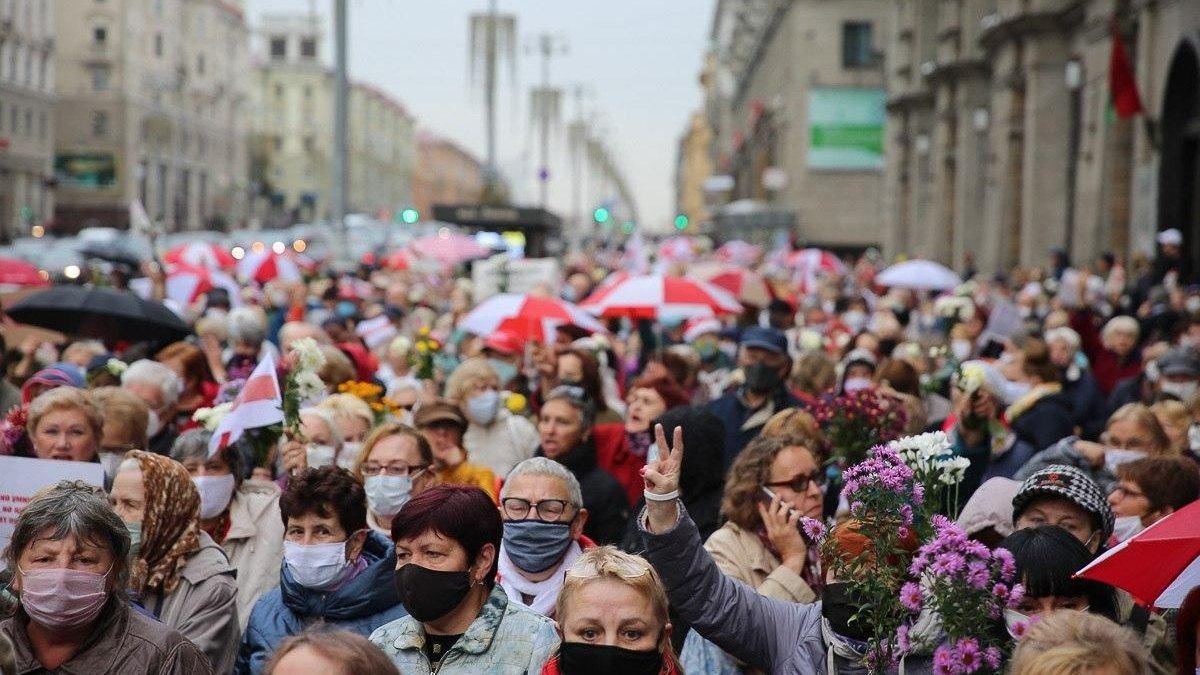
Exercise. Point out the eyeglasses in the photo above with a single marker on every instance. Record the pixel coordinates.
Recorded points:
(547, 510)
(392, 470)
(1122, 491)
(1111, 441)
(578, 394)
(800, 483)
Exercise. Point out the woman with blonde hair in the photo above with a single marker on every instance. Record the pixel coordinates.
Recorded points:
(612, 612)
(64, 423)
(1070, 642)
(495, 438)
(320, 651)
(394, 465)
(1175, 420)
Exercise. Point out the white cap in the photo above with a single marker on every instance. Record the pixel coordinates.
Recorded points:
(1171, 237)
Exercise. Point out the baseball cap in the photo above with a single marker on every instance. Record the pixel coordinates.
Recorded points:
(1066, 482)
(1180, 361)
(765, 338)
(440, 410)
(1171, 237)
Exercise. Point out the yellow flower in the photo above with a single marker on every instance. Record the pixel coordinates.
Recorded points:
(424, 331)
(516, 403)
(422, 348)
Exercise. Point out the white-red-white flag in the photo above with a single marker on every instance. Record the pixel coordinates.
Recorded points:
(258, 404)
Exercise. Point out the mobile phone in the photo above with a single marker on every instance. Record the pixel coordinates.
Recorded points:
(771, 496)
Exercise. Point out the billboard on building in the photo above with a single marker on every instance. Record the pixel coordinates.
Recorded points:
(845, 128)
(90, 170)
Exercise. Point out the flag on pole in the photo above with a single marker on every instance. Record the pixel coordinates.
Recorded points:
(1122, 84)
(139, 220)
(258, 404)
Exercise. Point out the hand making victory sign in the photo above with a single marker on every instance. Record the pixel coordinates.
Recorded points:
(662, 481)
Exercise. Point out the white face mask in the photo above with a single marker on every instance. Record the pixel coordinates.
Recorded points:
(386, 495)
(961, 349)
(350, 450)
(1180, 390)
(316, 566)
(215, 493)
(320, 455)
(854, 320)
(1194, 437)
(1016, 623)
(153, 425)
(1127, 526)
(482, 408)
(856, 384)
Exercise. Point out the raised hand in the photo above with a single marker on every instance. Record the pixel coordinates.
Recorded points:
(662, 481)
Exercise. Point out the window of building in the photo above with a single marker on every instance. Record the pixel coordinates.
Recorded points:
(99, 36)
(857, 45)
(200, 64)
(278, 47)
(308, 91)
(42, 126)
(279, 91)
(158, 45)
(29, 124)
(100, 78)
(278, 142)
(308, 48)
(99, 123)
(309, 143)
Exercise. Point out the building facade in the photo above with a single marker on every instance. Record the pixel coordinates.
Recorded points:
(693, 166)
(293, 138)
(446, 174)
(152, 105)
(1003, 143)
(796, 108)
(26, 116)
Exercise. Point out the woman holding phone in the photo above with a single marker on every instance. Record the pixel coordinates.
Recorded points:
(772, 484)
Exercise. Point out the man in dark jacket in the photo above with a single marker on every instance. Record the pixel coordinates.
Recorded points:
(764, 362)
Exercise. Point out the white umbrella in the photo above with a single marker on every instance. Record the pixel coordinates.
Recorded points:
(919, 275)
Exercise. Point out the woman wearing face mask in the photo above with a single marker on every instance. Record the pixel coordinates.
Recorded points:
(335, 570)
(1149, 490)
(354, 418)
(622, 451)
(1111, 351)
(242, 516)
(495, 438)
(323, 438)
(125, 419)
(178, 573)
(613, 615)
(459, 620)
(65, 424)
(578, 368)
(1042, 416)
(394, 466)
(200, 387)
(443, 424)
(1132, 432)
(1176, 421)
(69, 555)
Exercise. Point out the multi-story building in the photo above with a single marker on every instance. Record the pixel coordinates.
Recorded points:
(151, 106)
(293, 131)
(694, 166)
(446, 174)
(796, 108)
(1003, 142)
(26, 115)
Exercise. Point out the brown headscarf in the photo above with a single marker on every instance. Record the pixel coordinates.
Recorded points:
(170, 529)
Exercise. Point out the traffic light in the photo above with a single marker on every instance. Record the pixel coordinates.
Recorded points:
(409, 216)
(681, 222)
(627, 227)
(600, 215)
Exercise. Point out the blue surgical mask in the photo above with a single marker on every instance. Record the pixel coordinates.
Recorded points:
(386, 495)
(534, 545)
(135, 538)
(504, 370)
(482, 408)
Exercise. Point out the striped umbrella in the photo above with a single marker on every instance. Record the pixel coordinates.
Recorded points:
(654, 296)
(201, 254)
(267, 265)
(450, 248)
(750, 288)
(529, 317)
(186, 283)
(738, 252)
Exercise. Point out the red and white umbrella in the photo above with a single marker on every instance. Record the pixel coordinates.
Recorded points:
(654, 296)
(677, 249)
(530, 317)
(201, 254)
(810, 264)
(16, 273)
(397, 260)
(186, 283)
(267, 265)
(738, 252)
(750, 288)
(450, 248)
(1159, 565)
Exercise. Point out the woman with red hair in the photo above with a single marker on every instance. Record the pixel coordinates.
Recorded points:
(621, 449)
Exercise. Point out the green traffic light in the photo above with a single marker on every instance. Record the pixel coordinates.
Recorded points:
(628, 227)
(600, 215)
(681, 222)
(410, 216)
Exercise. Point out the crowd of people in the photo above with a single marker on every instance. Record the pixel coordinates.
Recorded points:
(675, 494)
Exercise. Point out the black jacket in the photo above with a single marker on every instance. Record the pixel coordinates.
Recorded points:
(733, 413)
(1088, 407)
(603, 496)
(1047, 422)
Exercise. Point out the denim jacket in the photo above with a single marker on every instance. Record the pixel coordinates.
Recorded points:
(505, 639)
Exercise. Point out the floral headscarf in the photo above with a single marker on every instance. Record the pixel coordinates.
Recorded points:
(170, 528)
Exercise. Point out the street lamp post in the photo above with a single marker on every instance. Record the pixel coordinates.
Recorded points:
(337, 205)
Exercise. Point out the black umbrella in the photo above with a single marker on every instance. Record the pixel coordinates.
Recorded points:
(100, 313)
(113, 252)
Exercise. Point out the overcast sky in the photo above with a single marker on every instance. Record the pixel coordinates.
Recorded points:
(639, 58)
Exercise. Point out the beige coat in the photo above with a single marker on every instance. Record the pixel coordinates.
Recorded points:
(506, 442)
(741, 555)
(254, 543)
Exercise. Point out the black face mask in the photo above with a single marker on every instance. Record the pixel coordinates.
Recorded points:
(581, 658)
(429, 594)
(838, 607)
(761, 378)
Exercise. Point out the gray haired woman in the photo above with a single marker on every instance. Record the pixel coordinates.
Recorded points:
(69, 556)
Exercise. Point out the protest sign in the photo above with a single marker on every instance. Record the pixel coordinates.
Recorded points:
(20, 477)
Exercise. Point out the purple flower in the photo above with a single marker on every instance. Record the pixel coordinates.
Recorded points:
(919, 563)
(902, 643)
(943, 660)
(1008, 566)
(906, 513)
(978, 575)
(940, 522)
(992, 656)
(948, 563)
(1015, 595)
(969, 658)
(911, 597)
(1000, 591)
(813, 528)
